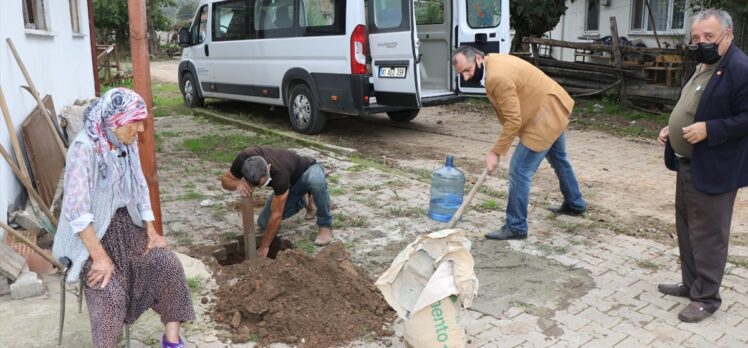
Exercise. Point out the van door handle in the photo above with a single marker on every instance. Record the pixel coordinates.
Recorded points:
(207, 51)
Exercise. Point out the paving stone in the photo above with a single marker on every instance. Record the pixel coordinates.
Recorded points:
(577, 306)
(631, 342)
(496, 336)
(626, 298)
(631, 315)
(655, 298)
(667, 333)
(475, 326)
(475, 342)
(697, 341)
(573, 322)
(605, 320)
(609, 337)
(730, 341)
(634, 330)
(740, 272)
(26, 285)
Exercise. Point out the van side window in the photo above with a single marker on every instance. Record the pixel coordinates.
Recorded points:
(429, 11)
(200, 27)
(388, 14)
(231, 21)
(322, 17)
(274, 18)
(484, 13)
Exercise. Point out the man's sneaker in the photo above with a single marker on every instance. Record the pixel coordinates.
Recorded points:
(679, 290)
(695, 312)
(504, 233)
(568, 210)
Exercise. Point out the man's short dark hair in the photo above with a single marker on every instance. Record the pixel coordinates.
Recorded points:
(253, 169)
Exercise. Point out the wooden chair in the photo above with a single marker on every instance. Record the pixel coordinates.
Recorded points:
(668, 64)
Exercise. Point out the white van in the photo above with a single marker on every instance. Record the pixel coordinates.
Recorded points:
(351, 57)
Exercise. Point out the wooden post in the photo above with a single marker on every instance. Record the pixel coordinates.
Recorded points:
(618, 60)
(92, 38)
(142, 84)
(35, 93)
(652, 21)
(248, 227)
(535, 53)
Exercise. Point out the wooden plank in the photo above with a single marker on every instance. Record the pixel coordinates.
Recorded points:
(248, 227)
(11, 263)
(601, 47)
(47, 161)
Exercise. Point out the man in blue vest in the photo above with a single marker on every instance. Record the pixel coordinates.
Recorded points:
(706, 142)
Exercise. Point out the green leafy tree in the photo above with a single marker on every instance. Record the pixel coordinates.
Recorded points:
(534, 18)
(113, 24)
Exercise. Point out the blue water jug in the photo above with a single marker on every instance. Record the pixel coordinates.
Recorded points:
(447, 190)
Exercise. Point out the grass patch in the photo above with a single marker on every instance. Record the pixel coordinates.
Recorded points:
(363, 164)
(489, 191)
(359, 188)
(192, 195)
(253, 337)
(305, 245)
(407, 211)
(195, 284)
(422, 174)
(229, 235)
(553, 249)
(490, 205)
(740, 261)
(218, 211)
(333, 179)
(223, 148)
(648, 264)
(336, 191)
(342, 221)
(609, 116)
(168, 134)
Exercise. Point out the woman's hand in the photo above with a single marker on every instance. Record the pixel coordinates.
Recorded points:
(154, 239)
(101, 271)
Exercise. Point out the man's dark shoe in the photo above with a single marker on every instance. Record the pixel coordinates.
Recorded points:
(679, 290)
(504, 233)
(695, 312)
(568, 210)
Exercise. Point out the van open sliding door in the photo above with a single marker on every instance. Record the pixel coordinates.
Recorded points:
(483, 24)
(394, 68)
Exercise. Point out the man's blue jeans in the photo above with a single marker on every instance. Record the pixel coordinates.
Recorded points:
(312, 181)
(524, 164)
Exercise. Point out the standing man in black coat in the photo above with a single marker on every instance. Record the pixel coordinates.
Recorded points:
(706, 142)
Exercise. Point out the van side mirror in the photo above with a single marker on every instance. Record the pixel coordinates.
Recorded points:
(184, 37)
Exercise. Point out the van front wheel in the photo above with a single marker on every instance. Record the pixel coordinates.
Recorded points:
(303, 112)
(190, 92)
(403, 115)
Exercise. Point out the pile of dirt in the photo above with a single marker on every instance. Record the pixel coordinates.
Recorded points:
(318, 300)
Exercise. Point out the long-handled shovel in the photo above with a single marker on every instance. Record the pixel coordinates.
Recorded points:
(466, 202)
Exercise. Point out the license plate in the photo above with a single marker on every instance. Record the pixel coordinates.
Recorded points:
(396, 72)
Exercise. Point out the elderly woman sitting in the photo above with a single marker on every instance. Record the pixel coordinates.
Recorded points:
(106, 226)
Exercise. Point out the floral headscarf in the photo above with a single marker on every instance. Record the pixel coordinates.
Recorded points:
(116, 108)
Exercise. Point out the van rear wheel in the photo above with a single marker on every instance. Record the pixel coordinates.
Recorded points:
(190, 92)
(403, 115)
(303, 113)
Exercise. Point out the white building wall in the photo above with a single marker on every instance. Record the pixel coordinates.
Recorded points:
(572, 24)
(59, 63)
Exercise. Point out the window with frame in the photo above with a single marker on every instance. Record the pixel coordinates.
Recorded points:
(388, 14)
(35, 14)
(274, 18)
(592, 22)
(660, 15)
(322, 17)
(75, 19)
(200, 26)
(429, 11)
(231, 21)
(484, 13)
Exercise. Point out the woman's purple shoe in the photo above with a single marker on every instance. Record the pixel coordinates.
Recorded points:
(167, 344)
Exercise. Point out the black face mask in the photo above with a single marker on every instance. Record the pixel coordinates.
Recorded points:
(478, 74)
(706, 53)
